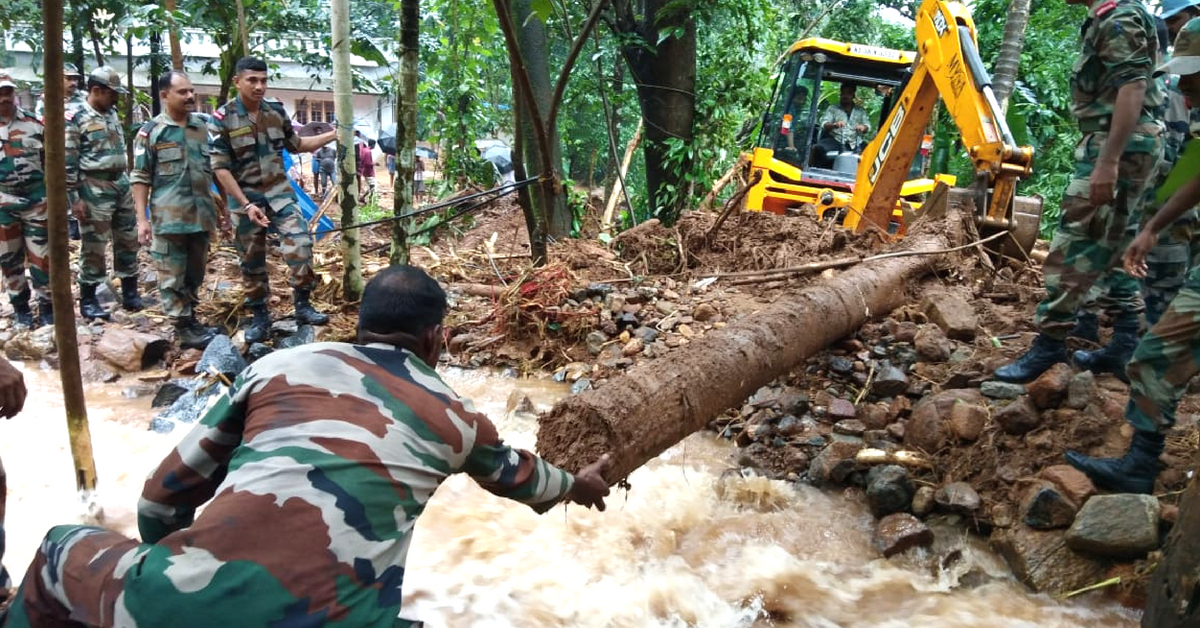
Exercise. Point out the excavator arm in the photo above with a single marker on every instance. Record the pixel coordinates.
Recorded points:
(948, 65)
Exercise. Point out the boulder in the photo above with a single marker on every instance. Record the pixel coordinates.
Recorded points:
(953, 314)
(1081, 390)
(889, 490)
(1116, 526)
(1042, 560)
(170, 391)
(1018, 417)
(305, 334)
(958, 498)
(704, 312)
(900, 531)
(1074, 485)
(922, 501)
(99, 373)
(31, 345)
(874, 416)
(849, 427)
(793, 401)
(967, 420)
(256, 351)
(1001, 390)
(1050, 389)
(130, 350)
(932, 345)
(840, 365)
(927, 428)
(633, 347)
(889, 380)
(905, 331)
(1045, 508)
(834, 463)
(222, 357)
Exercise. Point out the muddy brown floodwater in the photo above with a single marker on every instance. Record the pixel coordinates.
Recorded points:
(690, 545)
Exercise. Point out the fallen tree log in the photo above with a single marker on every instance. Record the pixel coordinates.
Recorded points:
(1173, 594)
(637, 416)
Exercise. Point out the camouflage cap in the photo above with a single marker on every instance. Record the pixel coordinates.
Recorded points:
(108, 77)
(1170, 7)
(69, 69)
(6, 80)
(1185, 59)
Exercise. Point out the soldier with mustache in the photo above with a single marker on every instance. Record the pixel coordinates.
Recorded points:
(172, 182)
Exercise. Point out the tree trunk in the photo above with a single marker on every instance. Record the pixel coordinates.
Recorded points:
(406, 127)
(80, 15)
(243, 34)
(1173, 594)
(60, 262)
(173, 30)
(156, 69)
(665, 75)
(1009, 59)
(228, 62)
(639, 415)
(343, 107)
(128, 99)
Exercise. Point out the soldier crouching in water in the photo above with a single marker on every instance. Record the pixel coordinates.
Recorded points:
(23, 235)
(248, 135)
(172, 182)
(321, 458)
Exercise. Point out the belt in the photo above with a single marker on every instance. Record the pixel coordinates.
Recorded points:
(1101, 124)
(104, 175)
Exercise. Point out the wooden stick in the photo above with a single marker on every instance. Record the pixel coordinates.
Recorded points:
(719, 184)
(325, 205)
(606, 220)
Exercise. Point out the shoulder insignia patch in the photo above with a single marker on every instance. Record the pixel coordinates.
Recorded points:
(219, 114)
(145, 130)
(69, 114)
(1105, 7)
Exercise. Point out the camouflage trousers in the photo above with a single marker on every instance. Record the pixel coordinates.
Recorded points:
(109, 215)
(180, 259)
(295, 244)
(1090, 240)
(1165, 360)
(84, 576)
(24, 240)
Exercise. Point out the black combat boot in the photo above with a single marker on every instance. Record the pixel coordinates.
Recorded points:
(89, 305)
(1112, 357)
(21, 314)
(260, 326)
(191, 334)
(1132, 473)
(1087, 327)
(306, 314)
(45, 312)
(1044, 353)
(131, 301)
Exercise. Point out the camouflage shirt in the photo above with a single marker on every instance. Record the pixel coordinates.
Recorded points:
(253, 151)
(75, 100)
(95, 143)
(22, 155)
(321, 458)
(1119, 45)
(174, 161)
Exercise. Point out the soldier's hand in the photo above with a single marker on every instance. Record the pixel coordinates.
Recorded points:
(590, 487)
(1135, 255)
(256, 215)
(80, 211)
(1103, 183)
(225, 226)
(12, 390)
(145, 234)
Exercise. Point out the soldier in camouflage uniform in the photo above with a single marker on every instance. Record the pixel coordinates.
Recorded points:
(172, 179)
(320, 458)
(1168, 356)
(1113, 100)
(23, 236)
(74, 97)
(98, 189)
(249, 134)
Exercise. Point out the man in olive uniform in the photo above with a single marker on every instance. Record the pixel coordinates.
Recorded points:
(1114, 100)
(23, 236)
(172, 183)
(74, 97)
(248, 136)
(98, 189)
(1168, 356)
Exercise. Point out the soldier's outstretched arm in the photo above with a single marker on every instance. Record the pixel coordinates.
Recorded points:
(1185, 198)
(191, 473)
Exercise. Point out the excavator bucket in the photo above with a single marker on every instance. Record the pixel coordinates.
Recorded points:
(1027, 214)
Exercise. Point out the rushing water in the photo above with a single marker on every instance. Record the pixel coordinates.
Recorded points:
(691, 545)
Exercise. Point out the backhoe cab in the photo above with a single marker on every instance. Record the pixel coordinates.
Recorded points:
(865, 162)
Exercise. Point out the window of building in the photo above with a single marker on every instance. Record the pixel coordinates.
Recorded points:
(314, 111)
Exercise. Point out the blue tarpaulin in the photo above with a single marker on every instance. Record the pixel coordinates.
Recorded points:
(307, 206)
